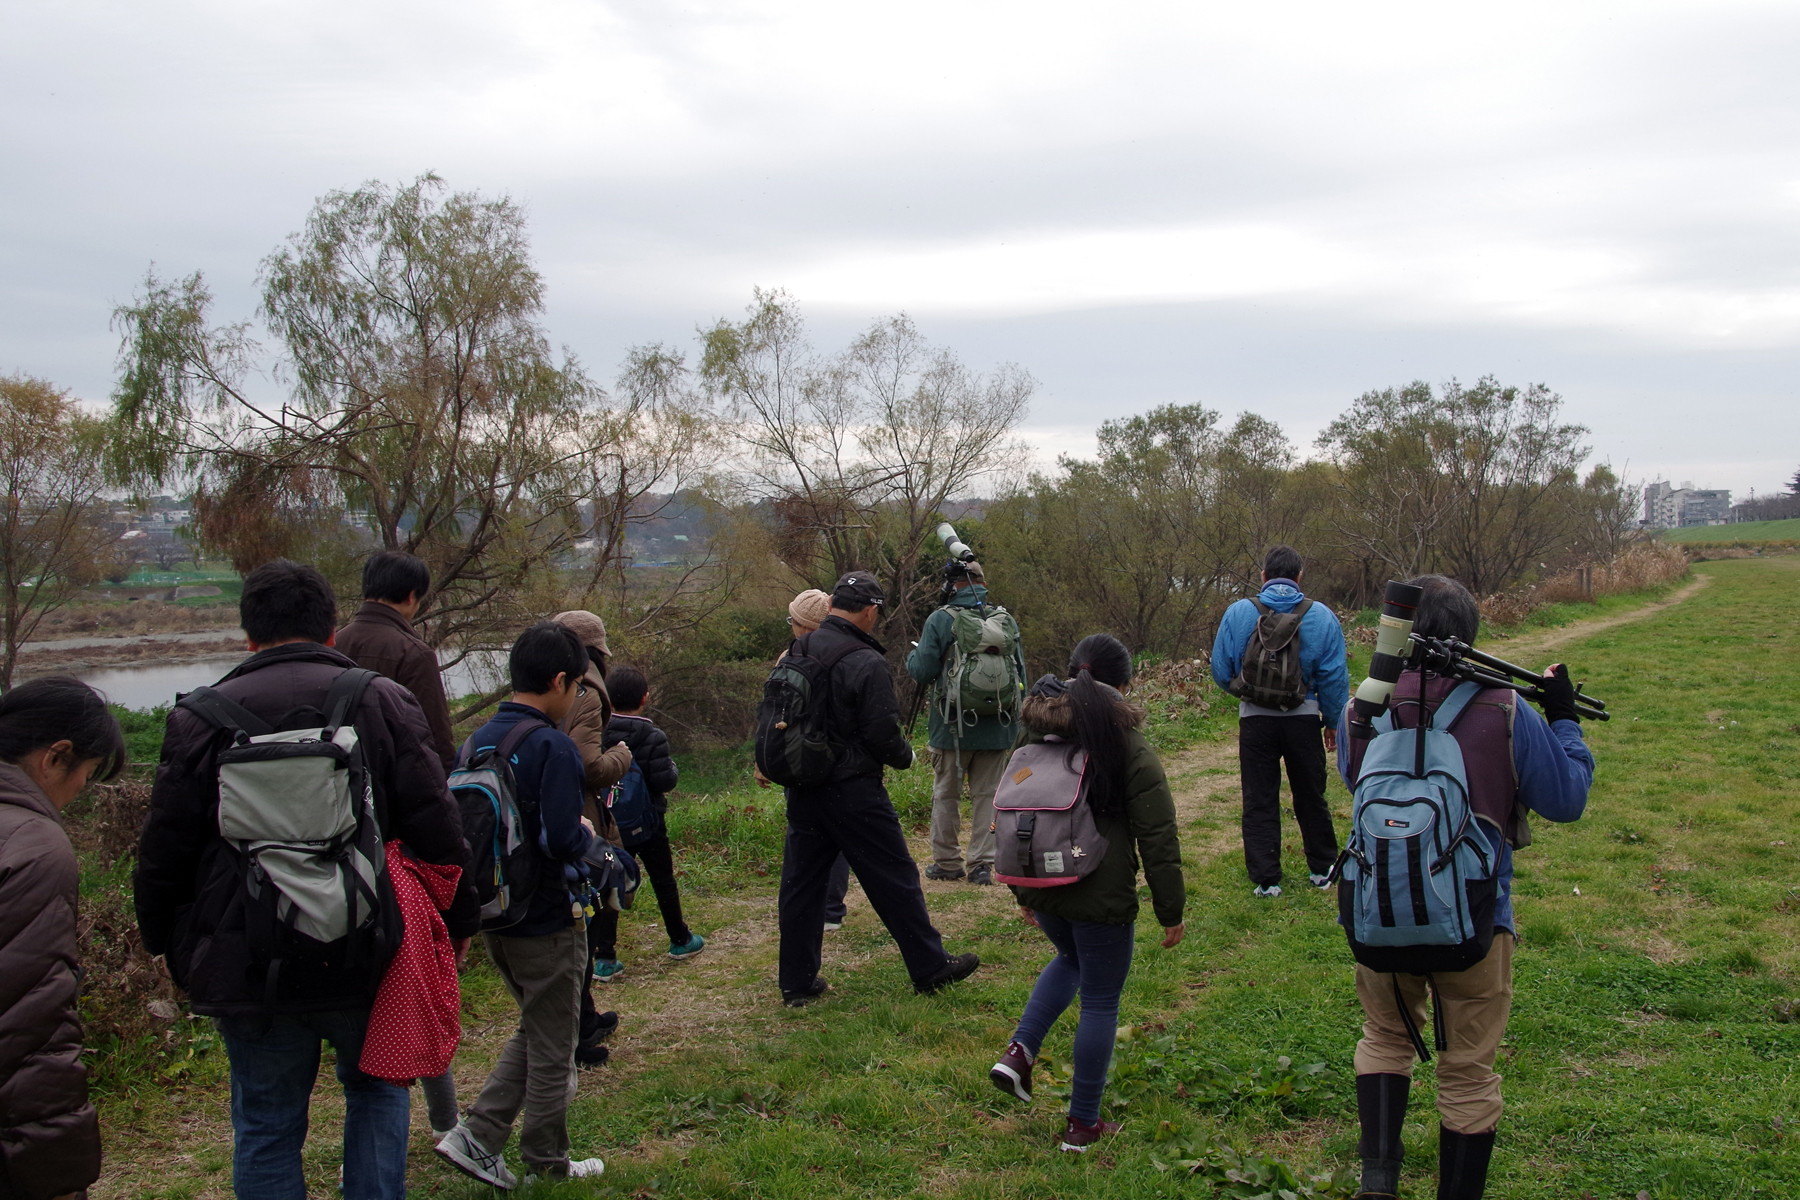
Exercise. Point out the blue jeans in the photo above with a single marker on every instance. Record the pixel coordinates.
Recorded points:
(274, 1063)
(1092, 959)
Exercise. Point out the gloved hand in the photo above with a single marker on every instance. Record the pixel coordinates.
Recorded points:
(1559, 695)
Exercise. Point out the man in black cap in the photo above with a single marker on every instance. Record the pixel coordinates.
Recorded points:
(852, 815)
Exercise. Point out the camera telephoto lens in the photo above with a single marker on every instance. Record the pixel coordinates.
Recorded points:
(1400, 604)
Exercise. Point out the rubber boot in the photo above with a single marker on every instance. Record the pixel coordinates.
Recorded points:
(1463, 1164)
(1381, 1110)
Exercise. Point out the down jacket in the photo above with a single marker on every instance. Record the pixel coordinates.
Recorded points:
(1145, 832)
(49, 1135)
(649, 748)
(379, 639)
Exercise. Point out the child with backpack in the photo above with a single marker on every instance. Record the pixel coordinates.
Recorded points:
(535, 929)
(639, 807)
(1425, 890)
(1077, 809)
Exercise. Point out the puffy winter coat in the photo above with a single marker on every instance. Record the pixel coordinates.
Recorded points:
(49, 1135)
(649, 747)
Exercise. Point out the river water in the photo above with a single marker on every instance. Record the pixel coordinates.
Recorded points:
(150, 685)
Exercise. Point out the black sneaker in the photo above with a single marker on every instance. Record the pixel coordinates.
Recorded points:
(947, 874)
(801, 997)
(982, 877)
(597, 1027)
(591, 1056)
(960, 967)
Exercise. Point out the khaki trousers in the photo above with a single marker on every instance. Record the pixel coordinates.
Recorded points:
(536, 1072)
(949, 769)
(1476, 1004)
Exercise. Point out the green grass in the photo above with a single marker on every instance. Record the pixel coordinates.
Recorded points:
(1650, 1048)
(1746, 531)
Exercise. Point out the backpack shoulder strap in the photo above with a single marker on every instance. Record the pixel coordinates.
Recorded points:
(222, 712)
(518, 733)
(344, 698)
(1261, 608)
(1300, 608)
(1454, 705)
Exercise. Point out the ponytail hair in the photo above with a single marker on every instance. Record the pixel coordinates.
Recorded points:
(1100, 718)
(60, 708)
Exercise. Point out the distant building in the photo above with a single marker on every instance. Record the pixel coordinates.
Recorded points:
(1669, 507)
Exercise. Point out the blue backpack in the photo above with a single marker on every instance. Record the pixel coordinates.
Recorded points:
(1417, 887)
(633, 810)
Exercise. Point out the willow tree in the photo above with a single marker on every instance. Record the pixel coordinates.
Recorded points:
(416, 405)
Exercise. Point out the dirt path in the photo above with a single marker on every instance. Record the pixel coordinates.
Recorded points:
(1551, 639)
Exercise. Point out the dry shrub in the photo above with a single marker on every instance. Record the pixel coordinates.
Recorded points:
(1648, 565)
(1188, 680)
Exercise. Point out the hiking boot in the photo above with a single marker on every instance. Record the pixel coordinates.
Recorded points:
(982, 876)
(1078, 1135)
(801, 997)
(591, 1056)
(958, 967)
(607, 969)
(1266, 891)
(597, 1027)
(474, 1160)
(694, 945)
(1319, 881)
(1012, 1074)
(947, 874)
(833, 926)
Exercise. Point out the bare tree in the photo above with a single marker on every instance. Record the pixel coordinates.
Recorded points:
(52, 535)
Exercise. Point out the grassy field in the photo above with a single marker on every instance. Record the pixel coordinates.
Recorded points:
(1650, 1050)
(1747, 531)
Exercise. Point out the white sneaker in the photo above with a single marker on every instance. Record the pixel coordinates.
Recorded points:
(472, 1159)
(833, 926)
(1268, 890)
(1320, 881)
(587, 1168)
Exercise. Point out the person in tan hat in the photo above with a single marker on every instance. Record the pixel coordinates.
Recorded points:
(806, 612)
(601, 768)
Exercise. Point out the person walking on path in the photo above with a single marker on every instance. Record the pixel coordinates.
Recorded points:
(190, 895)
(1515, 761)
(1289, 698)
(805, 612)
(966, 750)
(380, 638)
(543, 958)
(649, 749)
(56, 736)
(602, 766)
(1091, 923)
(852, 815)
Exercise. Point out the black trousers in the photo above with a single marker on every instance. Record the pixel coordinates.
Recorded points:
(854, 819)
(656, 858)
(1264, 743)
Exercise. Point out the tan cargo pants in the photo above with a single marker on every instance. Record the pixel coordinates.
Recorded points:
(1476, 1004)
(949, 768)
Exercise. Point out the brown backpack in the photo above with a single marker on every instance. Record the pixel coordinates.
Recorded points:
(1270, 674)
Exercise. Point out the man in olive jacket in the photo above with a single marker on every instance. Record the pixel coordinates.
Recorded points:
(380, 638)
(974, 752)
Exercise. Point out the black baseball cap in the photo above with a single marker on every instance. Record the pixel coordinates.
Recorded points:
(861, 587)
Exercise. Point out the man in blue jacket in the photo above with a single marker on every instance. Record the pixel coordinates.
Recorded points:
(1269, 736)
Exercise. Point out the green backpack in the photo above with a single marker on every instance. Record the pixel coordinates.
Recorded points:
(981, 674)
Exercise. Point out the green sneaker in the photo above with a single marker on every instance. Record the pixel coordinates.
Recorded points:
(607, 969)
(694, 945)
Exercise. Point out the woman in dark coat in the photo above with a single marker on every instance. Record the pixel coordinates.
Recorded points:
(55, 736)
(1091, 922)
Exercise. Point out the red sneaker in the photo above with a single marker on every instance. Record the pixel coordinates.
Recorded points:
(1012, 1074)
(1078, 1136)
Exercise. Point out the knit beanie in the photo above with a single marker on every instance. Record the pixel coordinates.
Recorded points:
(809, 609)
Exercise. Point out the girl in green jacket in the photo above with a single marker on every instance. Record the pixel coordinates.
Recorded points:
(1091, 922)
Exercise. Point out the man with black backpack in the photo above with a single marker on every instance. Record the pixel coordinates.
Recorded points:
(969, 652)
(261, 877)
(1440, 805)
(1282, 656)
(827, 725)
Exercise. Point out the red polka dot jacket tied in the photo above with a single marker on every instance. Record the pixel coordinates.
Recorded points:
(417, 1019)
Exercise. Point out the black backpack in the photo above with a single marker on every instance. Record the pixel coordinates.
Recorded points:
(796, 739)
(1270, 674)
(505, 864)
(298, 811)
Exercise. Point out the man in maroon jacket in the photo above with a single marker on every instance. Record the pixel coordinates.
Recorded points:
(380, 638)
(190, 881)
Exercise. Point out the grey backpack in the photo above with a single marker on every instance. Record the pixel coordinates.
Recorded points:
(297, 808)
(1044, 831)
(1270, 674)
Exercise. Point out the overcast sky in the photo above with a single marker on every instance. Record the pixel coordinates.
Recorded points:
(1271, 207)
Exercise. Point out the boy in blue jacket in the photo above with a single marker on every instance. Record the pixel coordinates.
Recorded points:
(543, 958)
(1298, 736)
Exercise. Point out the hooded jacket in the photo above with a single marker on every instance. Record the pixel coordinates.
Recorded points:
(187, 881)
(379, 639)
(1145, 833)
(49, 1135)
(649, 748)
(926, 663)
(1323, 667)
